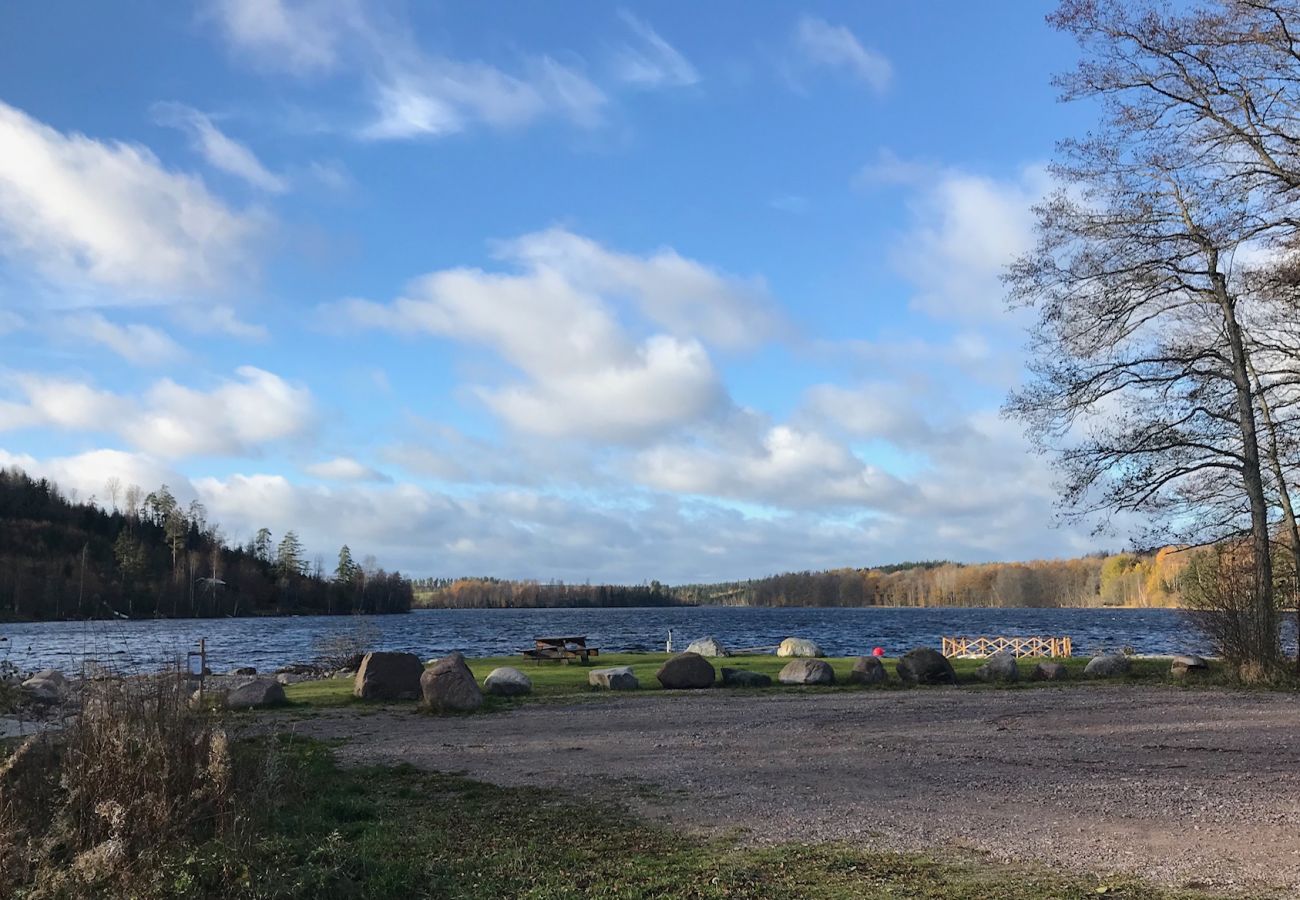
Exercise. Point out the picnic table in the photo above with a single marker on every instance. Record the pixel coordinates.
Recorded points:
(560, 648)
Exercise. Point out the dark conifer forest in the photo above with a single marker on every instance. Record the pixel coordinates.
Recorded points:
(146, 555)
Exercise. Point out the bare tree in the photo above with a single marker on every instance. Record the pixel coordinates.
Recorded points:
(1142, 359)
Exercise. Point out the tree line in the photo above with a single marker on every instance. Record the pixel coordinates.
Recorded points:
(496, 593)
(147, 555)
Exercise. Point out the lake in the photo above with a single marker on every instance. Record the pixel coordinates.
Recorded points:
(134, 646)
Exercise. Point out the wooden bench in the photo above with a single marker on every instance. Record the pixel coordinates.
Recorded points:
(561, 649)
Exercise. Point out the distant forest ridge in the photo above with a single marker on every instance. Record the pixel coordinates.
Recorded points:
(1120, 579)
(147, 556)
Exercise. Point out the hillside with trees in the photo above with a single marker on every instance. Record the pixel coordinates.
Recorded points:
(1122, 579)
(146, 556)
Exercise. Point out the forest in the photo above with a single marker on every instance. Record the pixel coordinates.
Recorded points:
(147, 556)
(496, 593)
(1121, 579)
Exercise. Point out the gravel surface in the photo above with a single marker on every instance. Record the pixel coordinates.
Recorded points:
(1194, 788)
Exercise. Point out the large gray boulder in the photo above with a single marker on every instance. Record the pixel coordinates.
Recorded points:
(255, 694)
(807, 671)
(708, 646)
(1109, 666)
(925, 666)
(449, 686)
(1188, 665)
(798, 647)
(686, 670)
(1050, 671)
(1000, 667)
(47, 686)
(868, 670)
(742, 678)
(614, 678)
(507, 681)
(388, 676)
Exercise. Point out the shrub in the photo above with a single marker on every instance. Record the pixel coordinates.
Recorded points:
(1219, 593)
(136, 773)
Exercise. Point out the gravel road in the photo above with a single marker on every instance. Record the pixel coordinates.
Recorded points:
(1194, 788)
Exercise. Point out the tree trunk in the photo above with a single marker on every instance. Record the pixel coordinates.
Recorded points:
(1284, 498)
(1264, 621)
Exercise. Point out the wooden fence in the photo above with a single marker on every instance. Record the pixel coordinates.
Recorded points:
(1017, 646)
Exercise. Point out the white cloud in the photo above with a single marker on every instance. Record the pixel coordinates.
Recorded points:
(834, 46)
(237, 417)
(965, 229)
(219, 320)
(297, 36)
(345, 468)
(110, 214)
(219, 149)
(413, 93)
(652, 62)
(140, 345)
(557, 322)
(435, 97)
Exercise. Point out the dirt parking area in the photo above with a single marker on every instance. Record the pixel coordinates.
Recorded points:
(1193, 788)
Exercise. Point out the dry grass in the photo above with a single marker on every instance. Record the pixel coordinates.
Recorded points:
(138, 771)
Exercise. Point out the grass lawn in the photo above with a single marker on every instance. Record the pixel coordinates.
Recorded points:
(402, 833)
(556, 680)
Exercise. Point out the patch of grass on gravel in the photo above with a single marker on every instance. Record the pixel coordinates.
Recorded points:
(402, 833)
(559, 681)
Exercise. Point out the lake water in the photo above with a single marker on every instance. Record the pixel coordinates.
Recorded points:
(271, 642)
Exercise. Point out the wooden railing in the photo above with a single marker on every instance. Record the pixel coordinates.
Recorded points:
(1017, 646)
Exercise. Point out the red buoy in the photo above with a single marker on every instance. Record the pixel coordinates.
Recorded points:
(879, 651)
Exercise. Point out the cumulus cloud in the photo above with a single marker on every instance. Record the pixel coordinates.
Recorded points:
(345, 468)
(110, 214)
(965, 229)
(557, 321)
(141, 345)
(219, 149)
(836, 47)
(237, 417)
(651, 62)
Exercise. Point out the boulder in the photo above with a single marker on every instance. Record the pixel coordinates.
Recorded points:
(291, 678)
(244, 670)
(868, 670)
(742, 678)
(1050, 671)
(388, 676)
(708, 646)
(255, 694)
(449, 686)
(798, 647)
(47, 686)
(615, 678)
(926, 666)
(1108, 666)
(807, 671)
(1187, 665)
(1000, 667)
(507, 681)
(686, 670)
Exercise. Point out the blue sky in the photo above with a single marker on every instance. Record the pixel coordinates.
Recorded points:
(662, 291)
